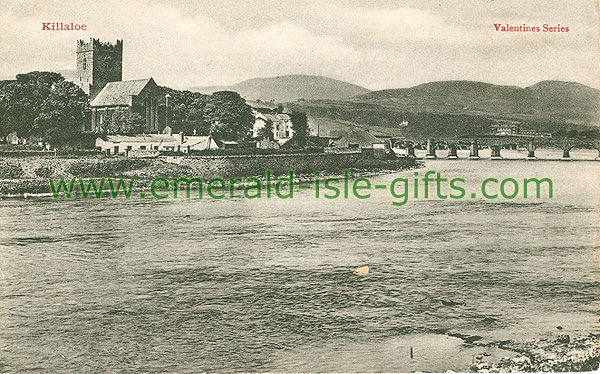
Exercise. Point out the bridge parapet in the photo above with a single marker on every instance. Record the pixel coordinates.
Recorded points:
(496, 144)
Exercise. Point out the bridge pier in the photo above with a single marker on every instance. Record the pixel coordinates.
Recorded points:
(430, 149)
(598, 157)
(566, 155)
(531, 151)
(452, 152)
(474, 155)
(496, 153)
(410, 150)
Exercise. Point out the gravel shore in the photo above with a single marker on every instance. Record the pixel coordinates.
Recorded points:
(562, 354)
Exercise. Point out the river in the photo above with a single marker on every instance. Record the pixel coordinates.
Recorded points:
(140, 285)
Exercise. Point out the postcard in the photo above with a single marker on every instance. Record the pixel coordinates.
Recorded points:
(299, 186)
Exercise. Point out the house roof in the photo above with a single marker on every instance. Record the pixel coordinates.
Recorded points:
(362, 138)
(274, 117)
(120, 93)
(201, 141)
(141, 138)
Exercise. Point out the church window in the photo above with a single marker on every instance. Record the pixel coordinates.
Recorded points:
(107, 60)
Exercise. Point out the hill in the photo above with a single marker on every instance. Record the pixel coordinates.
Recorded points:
(287, 88)
(556, 100)
(460, 107)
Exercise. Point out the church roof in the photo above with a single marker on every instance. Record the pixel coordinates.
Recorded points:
(143, 138)
(120, 93)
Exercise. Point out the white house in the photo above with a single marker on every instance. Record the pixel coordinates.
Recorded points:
(121, 144)
(505, 129)
(282, 125)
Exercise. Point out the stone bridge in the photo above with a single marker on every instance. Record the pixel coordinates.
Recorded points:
(495, 143)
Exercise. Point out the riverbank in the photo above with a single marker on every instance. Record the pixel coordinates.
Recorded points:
(29, 176)
(561, 354)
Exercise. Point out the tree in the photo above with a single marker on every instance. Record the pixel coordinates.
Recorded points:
(126, 122)
(266, 132)
(186, 110)
(21, 101)
(229, 115)
(561, 133)
(590, 134)
(42, 104)
(61, 115)
(300, 127)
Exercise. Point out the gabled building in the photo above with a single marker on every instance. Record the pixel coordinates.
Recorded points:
(140, 96)
(281, 124)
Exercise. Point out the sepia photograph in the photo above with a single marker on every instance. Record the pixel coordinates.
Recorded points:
(299, 186)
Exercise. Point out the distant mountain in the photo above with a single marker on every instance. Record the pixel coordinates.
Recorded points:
(451, 108)
(556, 100)
(287, 88)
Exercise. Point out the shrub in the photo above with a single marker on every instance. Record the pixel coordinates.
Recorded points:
(44, 171)
(9, 170)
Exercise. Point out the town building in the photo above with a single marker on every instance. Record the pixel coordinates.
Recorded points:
(515, 129)
(505, 129)
(139, 96)
(528, 132)
(152, 143)
(281, 125)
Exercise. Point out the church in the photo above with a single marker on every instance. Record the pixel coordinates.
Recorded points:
(100, 75)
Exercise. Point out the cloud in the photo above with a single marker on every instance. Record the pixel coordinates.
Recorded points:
(375, 44)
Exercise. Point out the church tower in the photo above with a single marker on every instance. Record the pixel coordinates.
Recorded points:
(97, 64)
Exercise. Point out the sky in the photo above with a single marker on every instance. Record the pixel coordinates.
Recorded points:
(375, 44)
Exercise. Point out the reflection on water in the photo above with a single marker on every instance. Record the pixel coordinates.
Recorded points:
(269, 285)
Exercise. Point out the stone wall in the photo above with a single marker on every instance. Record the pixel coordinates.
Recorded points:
(30, 174)
(258, 165)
